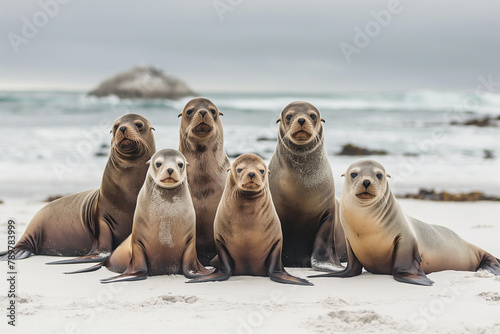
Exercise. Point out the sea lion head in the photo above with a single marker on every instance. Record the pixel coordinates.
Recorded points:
(248, 174)
(300, 125)
(168, 168)
(200, 122)
(132, 137)
(366, 181)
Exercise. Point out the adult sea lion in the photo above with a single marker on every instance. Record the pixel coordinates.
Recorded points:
(202, 143)
(95, 222)
(163, 239)
(385, 240)
(303, 191)
(247, 228)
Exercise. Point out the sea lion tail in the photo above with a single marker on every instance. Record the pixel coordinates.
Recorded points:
(87, 270)
(15, 254)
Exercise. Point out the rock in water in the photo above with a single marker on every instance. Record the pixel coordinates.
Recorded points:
(143, 82)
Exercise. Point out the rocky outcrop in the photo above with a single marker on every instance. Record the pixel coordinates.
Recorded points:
(432, 195)
(143, 82)
(350, 149)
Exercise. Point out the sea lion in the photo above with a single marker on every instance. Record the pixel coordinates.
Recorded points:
(95, 222)
(247, 228)
(303, 191)
(163, 239)
(385, 240)
(202, 143)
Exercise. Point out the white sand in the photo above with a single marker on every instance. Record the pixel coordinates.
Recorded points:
(50, 302)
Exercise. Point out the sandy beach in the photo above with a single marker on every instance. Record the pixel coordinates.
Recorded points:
(459, 302)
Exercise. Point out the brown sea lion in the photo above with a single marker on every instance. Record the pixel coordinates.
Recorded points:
(384, 240)
(202, 143)
(303, 191)
(247, 228)
(163, 239)
(95, 222)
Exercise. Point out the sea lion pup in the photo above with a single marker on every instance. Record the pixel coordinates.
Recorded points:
(385, 240)
(247, 228)
(163, 239)
(303, 191)
(95, 222)
(202, 143)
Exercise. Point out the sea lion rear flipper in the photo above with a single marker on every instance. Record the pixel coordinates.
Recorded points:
(222, 272)
(490, 263)
(87, 270)
(19, 254)
(323, 257)
(406, 264)
(354, 267)
(191, 266)
(276, 271)
(137, 268)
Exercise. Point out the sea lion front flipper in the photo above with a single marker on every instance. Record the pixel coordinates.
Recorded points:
(354, 267)
(490, 263)
(137, 268)
(191, 266)
(90, 258)
(323, 257)
(19, 254)
(406, 264)
(87, 270)
(222, 272)
(276, 271)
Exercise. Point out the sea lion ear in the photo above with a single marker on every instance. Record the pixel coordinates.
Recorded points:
(153, 129)
(278, 120)
(268, 171)
(221, 114)
(343, 175)
(187, 163)
(388, 175)
(179, 115)
(111, 131)
(322, 120)
(228, 169)
(148, 162)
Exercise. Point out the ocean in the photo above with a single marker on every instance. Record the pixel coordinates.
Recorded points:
(56, 143)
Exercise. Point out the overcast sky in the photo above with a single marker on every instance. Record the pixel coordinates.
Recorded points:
(258, 46)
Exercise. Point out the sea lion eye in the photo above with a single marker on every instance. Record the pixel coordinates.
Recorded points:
(313, 117)
(158, 164)
(262, 171)
(212, 111)
(189, 112)
(353, 175)
(116, 127)
(180, 164)
(239, 170)
(139, 126)
(288, 117)
(379, 176)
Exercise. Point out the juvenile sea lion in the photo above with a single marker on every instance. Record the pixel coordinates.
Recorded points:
(247, 228)
(95, 222)
(385, 240)
(202, 143)
(163, 239)
(303, 191)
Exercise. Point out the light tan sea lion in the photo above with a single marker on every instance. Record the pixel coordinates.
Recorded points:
(95, 222)
(163, 239)
(303, 191)
(247, 228)
(385, 240)
(202, 143)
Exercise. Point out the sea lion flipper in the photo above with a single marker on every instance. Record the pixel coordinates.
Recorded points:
(221, 273)
(87, 270)
(406, 267)
(19, 254)
(90, 258)
(324, 257)
(490, 263)
(276, 271)
(191, 266)
(137, 268)
(354, 267)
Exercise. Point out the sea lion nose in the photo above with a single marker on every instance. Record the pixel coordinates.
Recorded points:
(251, 174)
(203, 112)
(170, 171)
(366, 183)
(301, 121)
(123, 128)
